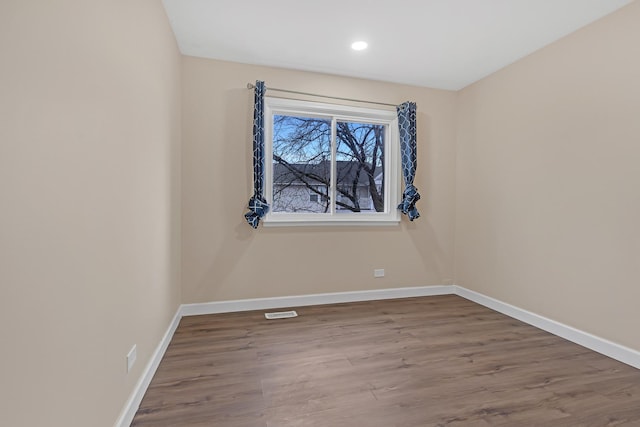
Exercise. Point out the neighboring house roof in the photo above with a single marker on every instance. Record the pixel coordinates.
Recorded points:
(320, 173)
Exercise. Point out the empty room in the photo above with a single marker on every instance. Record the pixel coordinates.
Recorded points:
(279, 214)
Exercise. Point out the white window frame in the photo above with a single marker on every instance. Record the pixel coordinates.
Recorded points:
(390, 216)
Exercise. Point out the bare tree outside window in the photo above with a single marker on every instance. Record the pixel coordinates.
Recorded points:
(302, 162)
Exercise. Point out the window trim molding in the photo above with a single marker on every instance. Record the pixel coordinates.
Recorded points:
(391, 216)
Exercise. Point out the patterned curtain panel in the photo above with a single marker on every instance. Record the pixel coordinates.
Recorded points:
(258, 206)
(407, 125)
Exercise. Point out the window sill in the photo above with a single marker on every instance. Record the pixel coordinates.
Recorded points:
(274, 221)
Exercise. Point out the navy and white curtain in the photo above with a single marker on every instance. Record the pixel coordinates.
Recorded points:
(258, 206)
(408, 145)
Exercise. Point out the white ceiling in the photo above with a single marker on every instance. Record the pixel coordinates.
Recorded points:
(445, 44)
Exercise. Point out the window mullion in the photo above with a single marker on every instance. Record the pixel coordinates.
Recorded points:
(334, 171)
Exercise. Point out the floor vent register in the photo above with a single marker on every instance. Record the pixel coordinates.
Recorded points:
(281, 315)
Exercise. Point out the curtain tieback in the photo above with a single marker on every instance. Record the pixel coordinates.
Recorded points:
(410, 196)
(258, 208)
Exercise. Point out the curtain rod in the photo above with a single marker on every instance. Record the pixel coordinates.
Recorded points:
(252, 86)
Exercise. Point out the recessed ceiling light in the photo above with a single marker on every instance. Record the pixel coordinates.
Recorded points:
(359, 45)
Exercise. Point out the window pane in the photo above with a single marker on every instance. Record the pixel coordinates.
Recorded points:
(360, 167)
(301, 164)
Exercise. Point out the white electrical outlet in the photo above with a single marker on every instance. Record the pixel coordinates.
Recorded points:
(379, 272)
(131, 358)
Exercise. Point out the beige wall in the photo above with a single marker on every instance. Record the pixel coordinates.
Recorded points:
(548, 173)
(223, 258)
(89, 193)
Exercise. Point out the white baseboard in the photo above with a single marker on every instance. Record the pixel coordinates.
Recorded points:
(608, 348)
(132, 405)
(313, 299)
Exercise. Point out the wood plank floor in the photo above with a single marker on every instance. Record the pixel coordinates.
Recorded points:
(432, 361)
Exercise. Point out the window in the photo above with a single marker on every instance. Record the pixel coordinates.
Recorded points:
(330, 164)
